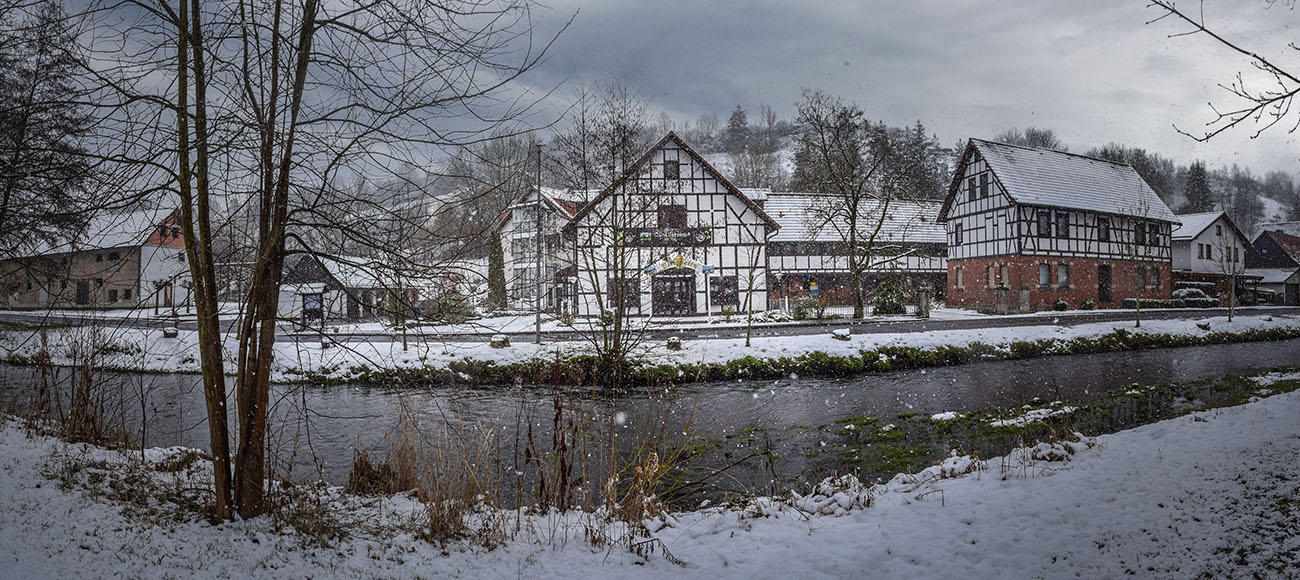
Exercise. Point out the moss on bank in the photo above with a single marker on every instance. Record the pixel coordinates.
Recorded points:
(587, 370)
(915, 442)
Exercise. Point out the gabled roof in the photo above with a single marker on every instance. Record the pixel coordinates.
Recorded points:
(566, 202)
(635, 169)
(1290, 228)
(1195, 223)
(1288, 243)
(106, 231)
(1047, 178)
(905, 220)
(354, 271)
(1274, 275)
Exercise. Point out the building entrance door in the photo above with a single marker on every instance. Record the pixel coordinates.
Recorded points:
(673, 293)
(1103, 284)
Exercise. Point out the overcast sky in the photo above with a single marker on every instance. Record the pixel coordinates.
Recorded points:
(1094, 71)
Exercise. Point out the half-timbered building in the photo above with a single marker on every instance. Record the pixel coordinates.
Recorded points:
(1027, 227)
(670, 237)
(809, 256)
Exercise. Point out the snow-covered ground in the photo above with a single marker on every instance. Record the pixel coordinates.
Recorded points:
(1212, 494)
(149, 350)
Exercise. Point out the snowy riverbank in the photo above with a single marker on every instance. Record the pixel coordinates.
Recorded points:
(149, 350)
(1209, 494)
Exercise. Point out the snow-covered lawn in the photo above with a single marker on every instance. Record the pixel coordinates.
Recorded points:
(149, 350)
(1213, 494)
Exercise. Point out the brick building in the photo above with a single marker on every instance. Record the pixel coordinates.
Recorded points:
(1027, 227)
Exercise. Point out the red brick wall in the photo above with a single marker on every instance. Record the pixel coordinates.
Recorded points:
(1022, 271)
(837, 289)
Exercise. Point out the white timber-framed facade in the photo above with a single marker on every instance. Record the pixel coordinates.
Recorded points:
(670, 237)
(1027, 227)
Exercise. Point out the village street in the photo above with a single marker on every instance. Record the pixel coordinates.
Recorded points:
(520, 327)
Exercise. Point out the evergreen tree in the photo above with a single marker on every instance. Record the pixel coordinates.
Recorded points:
(735, 138)
(496, 274)
(43, 167)
(1197, 190)
(889, 297)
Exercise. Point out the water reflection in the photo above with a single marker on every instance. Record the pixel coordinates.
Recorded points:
(316, 428)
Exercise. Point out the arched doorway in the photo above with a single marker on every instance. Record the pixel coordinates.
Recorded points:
(672, 293)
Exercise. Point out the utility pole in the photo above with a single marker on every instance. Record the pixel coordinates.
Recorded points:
(537, 197)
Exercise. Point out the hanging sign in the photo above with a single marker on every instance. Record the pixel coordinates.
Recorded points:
(678, 262)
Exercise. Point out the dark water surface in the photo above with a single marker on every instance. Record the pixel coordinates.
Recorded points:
(316, 428)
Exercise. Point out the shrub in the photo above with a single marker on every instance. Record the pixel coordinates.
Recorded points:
(1155, 303)
(1088, 305)
(1186, 293)
(1060, 305)
(888, 297)
(808, 308)
(728, 312)
(450, 307)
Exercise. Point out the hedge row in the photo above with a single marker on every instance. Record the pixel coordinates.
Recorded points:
(1172, 303)
(587, 370)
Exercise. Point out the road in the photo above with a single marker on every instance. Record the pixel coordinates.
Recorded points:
(695, 331)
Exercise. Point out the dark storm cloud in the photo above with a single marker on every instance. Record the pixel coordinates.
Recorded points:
(1093, 71)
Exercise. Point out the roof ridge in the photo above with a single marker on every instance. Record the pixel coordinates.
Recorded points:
(1050, 150)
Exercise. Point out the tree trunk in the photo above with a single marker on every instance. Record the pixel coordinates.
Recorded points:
(198, 249)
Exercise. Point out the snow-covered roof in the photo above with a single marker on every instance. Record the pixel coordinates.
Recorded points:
(1274, 275)
(802, 218)
(1288, 228)
(356, 272)
(1043, 177)
(1195, 223)
(105, 231)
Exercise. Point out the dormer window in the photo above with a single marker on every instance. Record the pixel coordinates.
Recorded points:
(672, 170)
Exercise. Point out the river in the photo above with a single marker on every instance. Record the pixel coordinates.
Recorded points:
(316, 428)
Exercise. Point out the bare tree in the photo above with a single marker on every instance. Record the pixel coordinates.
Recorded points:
(1229, 259)
(282, 101)
(1264, 105)
(619, 131)
(1031, 137)
(852, 161)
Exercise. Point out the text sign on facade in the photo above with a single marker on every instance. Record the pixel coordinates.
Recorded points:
(682, 237)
